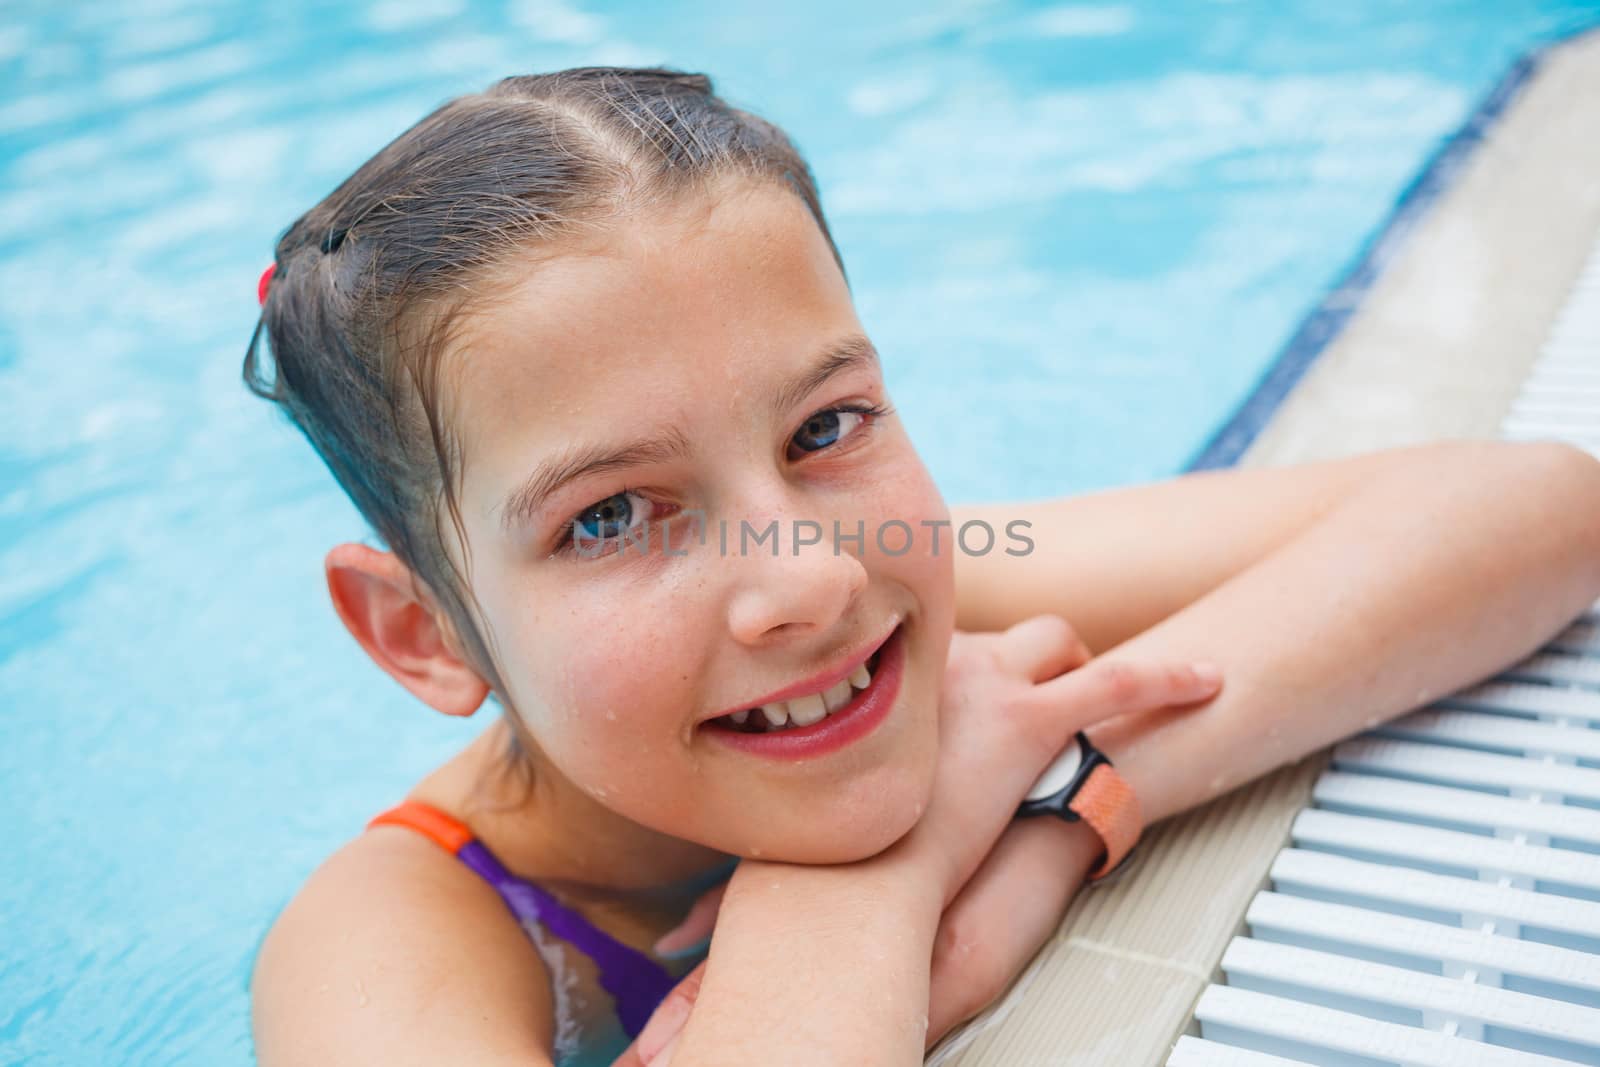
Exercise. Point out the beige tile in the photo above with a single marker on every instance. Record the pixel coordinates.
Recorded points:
(1441, 343)
(1187, 894)
(1087, 1007)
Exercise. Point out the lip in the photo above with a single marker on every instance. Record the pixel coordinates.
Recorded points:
(867, 708)
(817, 683)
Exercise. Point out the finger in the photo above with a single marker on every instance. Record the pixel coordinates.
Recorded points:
(1012, 905)
(669, 1016)
(630, 1056)
(696, 926)
(1041, 647)
(1105, 688)
(664, 1057)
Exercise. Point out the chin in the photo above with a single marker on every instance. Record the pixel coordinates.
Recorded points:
(845, 833)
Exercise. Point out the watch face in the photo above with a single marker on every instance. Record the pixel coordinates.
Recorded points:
(1058, 775)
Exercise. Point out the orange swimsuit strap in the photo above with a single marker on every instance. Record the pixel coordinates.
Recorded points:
(446, 831)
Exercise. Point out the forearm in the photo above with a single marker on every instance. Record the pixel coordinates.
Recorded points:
(1003, 914)
(1411, 588)
(816, 965)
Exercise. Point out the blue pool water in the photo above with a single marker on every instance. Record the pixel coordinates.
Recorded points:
(1077, 232)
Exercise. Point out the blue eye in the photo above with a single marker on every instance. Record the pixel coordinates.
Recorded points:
(820, 431)
(829, 427)
(607, 526)
(605, 520)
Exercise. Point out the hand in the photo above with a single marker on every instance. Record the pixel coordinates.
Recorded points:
(1014, 901)
(696, 926)
(1006, 711)
(1008, 684)
(653, 1047)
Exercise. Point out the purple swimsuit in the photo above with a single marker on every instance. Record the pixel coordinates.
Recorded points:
(635, 982)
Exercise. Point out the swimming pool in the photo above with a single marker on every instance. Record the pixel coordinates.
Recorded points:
(1078, 234)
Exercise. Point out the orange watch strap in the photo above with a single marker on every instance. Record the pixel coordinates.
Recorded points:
(446, 831)
(1108, 804)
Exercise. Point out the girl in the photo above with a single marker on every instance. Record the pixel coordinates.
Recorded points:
(581, 350)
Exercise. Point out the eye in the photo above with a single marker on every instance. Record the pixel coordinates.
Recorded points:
(832, 425)
(608, 520)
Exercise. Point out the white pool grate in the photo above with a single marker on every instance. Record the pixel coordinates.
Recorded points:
(1439, 902)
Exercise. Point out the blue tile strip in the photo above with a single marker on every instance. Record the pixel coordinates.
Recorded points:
(1328, 319)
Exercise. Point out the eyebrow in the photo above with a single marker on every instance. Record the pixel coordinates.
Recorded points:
(847, 353)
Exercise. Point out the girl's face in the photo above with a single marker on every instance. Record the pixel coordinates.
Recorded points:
(662, 429)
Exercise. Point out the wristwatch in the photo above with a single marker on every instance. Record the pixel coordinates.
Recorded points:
(1082, 784)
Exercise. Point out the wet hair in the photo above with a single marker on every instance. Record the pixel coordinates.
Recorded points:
(368, 283)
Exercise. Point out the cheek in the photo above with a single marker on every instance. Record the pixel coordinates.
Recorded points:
(611, 692)
(928, 568)
(597, 690)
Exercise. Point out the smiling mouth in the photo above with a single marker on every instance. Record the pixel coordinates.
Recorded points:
(803, 711)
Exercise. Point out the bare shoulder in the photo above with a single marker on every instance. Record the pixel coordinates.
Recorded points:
(395, 953)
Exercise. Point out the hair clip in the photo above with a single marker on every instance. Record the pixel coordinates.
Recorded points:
(266, 280)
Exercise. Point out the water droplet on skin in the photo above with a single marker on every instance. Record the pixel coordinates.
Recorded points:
(611, 714)
(1217, 783)
(755, 853)
(1373, 720)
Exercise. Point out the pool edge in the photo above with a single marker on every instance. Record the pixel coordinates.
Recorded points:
(1439, 347)
(1342, 300)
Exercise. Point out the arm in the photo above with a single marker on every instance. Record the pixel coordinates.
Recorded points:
(1345, 594)
(1426, 568)
(1422, 580)
(1117, 561)
(815, 964)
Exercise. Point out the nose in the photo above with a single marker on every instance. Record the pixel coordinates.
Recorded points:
(793, 588)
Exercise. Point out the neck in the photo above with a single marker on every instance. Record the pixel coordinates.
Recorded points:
(544, 827)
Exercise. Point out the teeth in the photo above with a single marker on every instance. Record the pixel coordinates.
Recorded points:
(807, 710)
(804, 711)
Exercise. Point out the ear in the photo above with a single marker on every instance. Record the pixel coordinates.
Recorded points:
(374, 595)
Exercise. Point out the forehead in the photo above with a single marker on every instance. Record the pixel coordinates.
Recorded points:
(626, 331)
